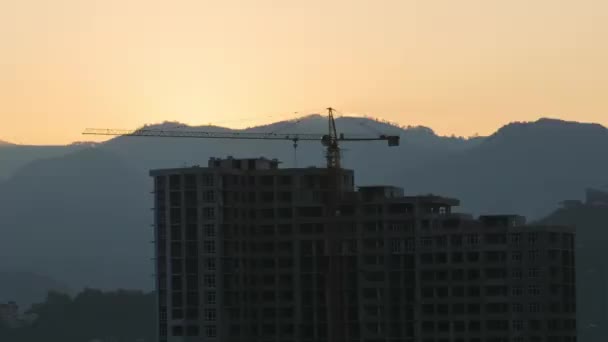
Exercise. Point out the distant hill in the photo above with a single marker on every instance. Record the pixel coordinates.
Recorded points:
(523, 168)
(4, 143)
(84, 216)
(13, 157)
(27, 288)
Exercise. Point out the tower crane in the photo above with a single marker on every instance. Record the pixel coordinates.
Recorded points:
(331, 140)
(337, 328)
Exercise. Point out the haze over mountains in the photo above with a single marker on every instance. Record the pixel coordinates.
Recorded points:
(81, 214)
(13, 157)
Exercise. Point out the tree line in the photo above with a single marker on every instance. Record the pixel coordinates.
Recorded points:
(115, 316)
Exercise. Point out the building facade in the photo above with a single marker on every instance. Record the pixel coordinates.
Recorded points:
(247, 251)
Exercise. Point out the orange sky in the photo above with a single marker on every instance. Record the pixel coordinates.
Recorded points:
(462, 67)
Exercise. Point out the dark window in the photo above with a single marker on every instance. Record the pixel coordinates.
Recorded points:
(207, 180)
(457, 257)
(175, 182)
(473, 274)
(427, 275)
(191, 200)
(285, 180)
(267, 196)
(176, 216)
(441, 241)
(177, 330)
(426, 258)
(192, 313)
(474, 325)
(473, 308)
(473, 256)
(473, 291)
(497, 308)
(176, 249)
(175, 199)
(192, 298)
(496, 238)
(441, 292)
(458, 291)
(176, 283)
(285, 213)
(310, 211)
(427, 292)
(176, 233)
(177, 299)
(267, 180)
(285, 197)
(496, 290)
(284, 229)
(458, 274)
(495, 273)
(192, 281)
(441, 258)
(459, 326)
(191, 232)
(532, 238)
(191, 249)
(495, 256)
(456, 240)
(176, 266)
(267, 213)
(497, 325)
(534, 324)
(209, 196)
(458, 309)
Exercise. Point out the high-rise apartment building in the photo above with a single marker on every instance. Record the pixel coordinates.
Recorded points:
(248, 252)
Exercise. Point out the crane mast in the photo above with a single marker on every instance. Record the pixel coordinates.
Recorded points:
(331, 142)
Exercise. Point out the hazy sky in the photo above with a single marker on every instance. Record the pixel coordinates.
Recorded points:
(458, 66)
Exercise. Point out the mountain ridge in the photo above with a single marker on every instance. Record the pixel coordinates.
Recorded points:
(91, 203)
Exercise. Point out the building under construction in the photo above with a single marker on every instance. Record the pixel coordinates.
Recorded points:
(249, 252)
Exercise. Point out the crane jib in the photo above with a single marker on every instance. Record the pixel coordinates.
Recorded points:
(393, 140)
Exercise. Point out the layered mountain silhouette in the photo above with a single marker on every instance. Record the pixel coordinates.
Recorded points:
(13, 157)
(523, 168)
(82, 218)
(82, 214)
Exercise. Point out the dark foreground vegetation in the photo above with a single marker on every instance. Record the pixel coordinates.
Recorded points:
(117, 316)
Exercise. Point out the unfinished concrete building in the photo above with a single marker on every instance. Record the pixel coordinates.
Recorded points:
(246, 251)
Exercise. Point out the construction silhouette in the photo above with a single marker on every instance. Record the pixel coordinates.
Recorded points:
(337, 328)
